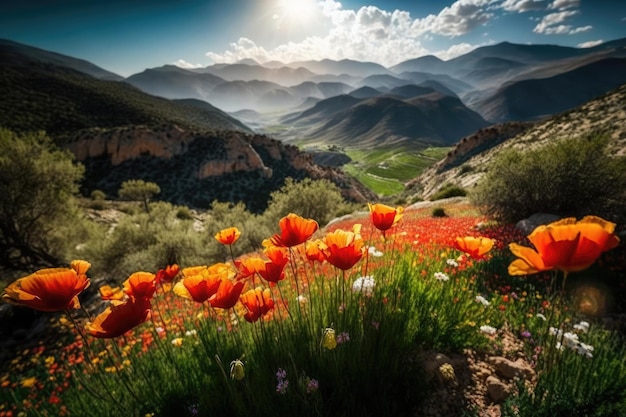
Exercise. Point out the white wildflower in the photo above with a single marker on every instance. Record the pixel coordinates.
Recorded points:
(374, 252)
(582, 326)
(488, 330)
(585, 350)
(192, 332)
(364, 285)
(570, 340)
(452, 262)
(301, 299)
(440, 276)
(482, 300)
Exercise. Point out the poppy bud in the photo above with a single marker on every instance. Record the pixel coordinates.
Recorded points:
(329, 340)
(236, 370)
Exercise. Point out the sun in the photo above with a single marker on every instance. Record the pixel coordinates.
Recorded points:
(296, 10)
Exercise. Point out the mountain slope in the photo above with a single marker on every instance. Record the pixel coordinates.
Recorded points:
(13, 53)
(533, 98)
(59, 100)
(387, 120)
(466, 164)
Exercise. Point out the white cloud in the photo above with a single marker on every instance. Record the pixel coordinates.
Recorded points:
(521, 6)
(564, 4)
(590, 44)
(551, 24)
(460, 18)
(368, 34)
(181, 63)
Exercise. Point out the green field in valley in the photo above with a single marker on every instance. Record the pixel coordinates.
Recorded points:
(384, 171)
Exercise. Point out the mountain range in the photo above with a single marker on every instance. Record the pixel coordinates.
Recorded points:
(219, 116)
(499, 83)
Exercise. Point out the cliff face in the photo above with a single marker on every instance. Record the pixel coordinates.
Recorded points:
(195, 169)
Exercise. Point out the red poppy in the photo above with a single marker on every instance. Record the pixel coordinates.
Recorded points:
(384, 217)
(200, 283)
(228, 236)
(167, 274)
(343, 249)
(119, 318)
(274, 269)
(50, 289)
(294, 230)
(258, 302)
(566, 245)
(227, 294)
(475, 247)
(140, 285)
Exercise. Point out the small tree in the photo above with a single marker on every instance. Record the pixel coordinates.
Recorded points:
(139, 190)
(38, 184)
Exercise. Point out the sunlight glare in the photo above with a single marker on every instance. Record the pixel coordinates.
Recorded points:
(296, 9)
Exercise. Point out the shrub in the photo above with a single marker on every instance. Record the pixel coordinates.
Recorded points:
(438, 212)
(448, 191)
(571, 177)
(98, 195)
(320, 200)
(38, 216)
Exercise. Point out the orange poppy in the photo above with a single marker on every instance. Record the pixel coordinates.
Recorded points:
(383, 216)
(228, 236)
(167, 274)
(294, 230)
(80, 266)
(200, 283)
(258, 302)
(313, 252)
(567, 245)
(248, 266)
(109, 293)
(140, 285)
(119, 318)
(227, 294)
(343, 249)
(50, 289)
(274, 269)
(475, 247)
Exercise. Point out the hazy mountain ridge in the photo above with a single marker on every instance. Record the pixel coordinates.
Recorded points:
(501, 82)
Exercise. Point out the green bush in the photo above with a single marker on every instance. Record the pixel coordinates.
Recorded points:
(146, 242)
(38, 211)
(448, 191)
(320, 200)
(438, 212)
(571, 177)
(98, 195)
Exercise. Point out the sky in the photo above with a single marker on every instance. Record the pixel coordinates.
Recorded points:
(128, 36)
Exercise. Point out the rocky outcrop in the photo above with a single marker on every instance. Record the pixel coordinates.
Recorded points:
(195, 169)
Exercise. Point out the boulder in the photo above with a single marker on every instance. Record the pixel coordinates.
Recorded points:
(537, 219)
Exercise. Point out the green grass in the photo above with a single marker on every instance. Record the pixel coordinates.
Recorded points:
(179, 363)
(385, 170)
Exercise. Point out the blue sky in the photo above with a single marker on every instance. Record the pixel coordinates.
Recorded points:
(128, 36)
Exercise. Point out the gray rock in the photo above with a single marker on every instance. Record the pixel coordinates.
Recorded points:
(537, 219)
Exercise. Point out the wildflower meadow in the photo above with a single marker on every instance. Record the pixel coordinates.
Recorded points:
(339, 321)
